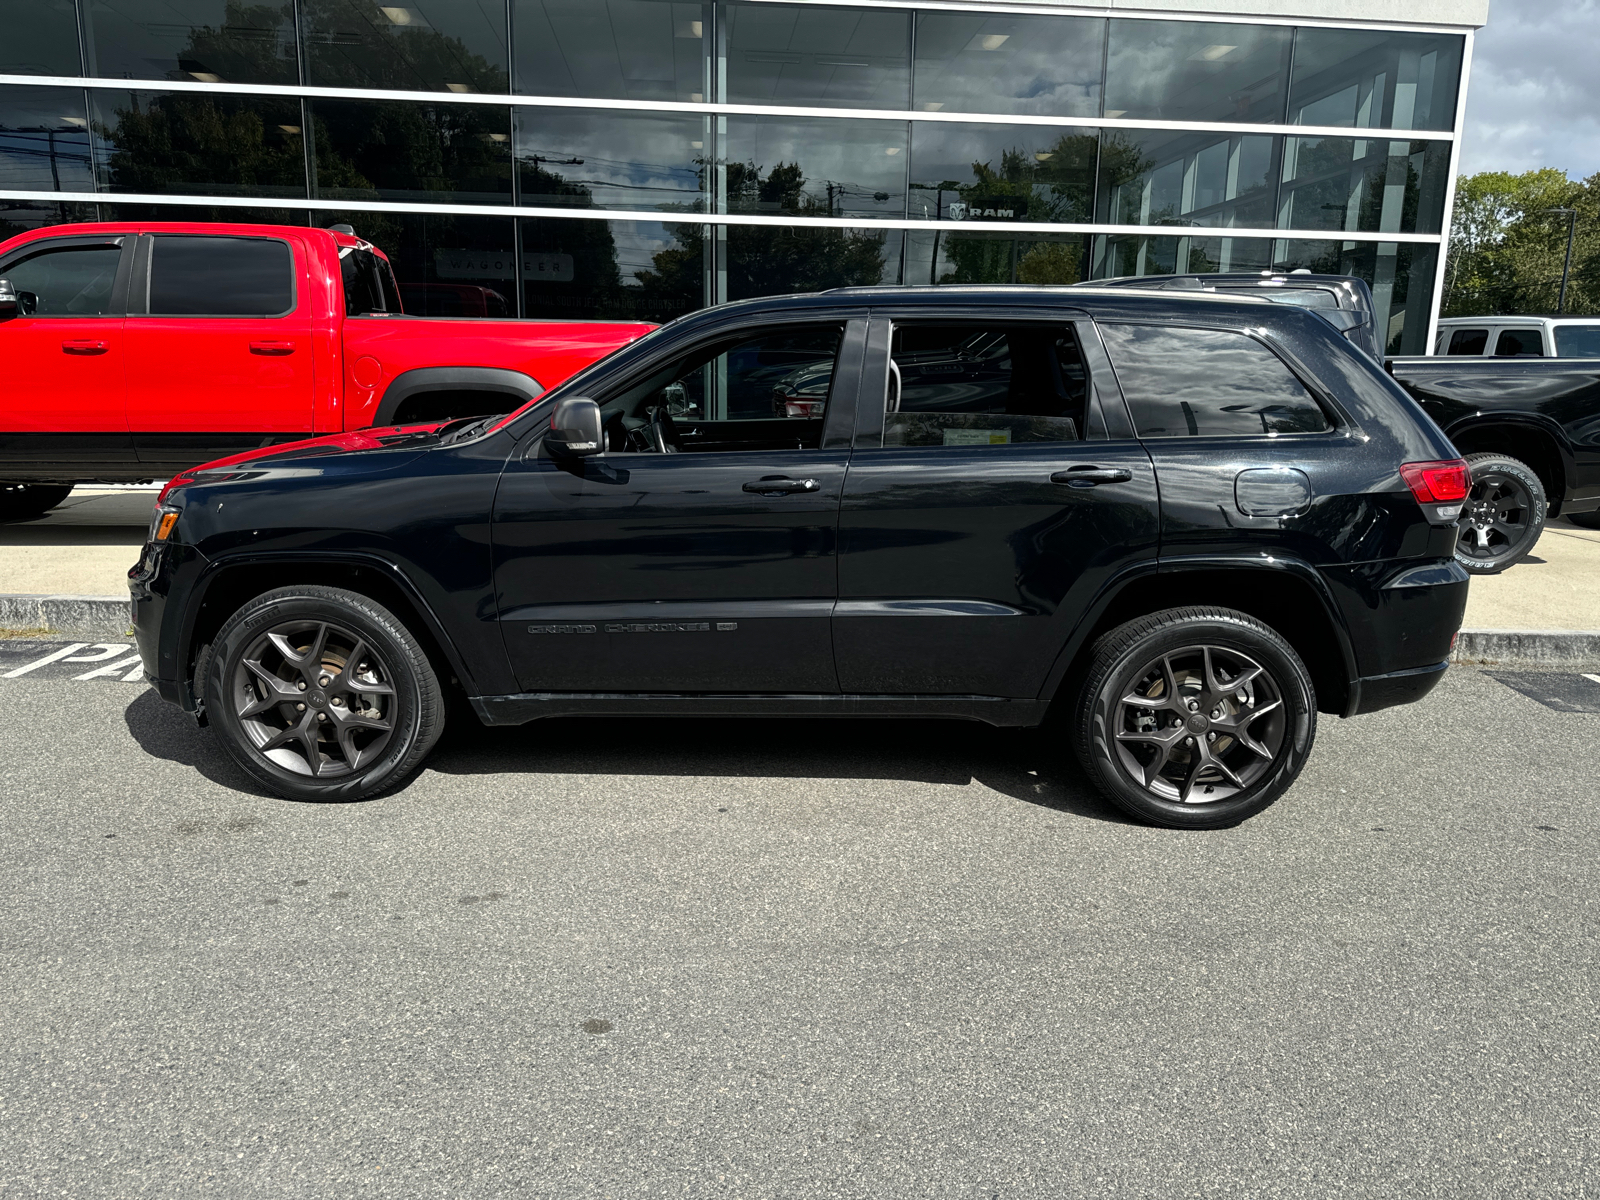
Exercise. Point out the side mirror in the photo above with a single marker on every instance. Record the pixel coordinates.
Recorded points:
(575, 429)
(8, 300)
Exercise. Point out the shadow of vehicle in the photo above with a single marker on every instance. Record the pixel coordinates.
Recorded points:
(165, 731)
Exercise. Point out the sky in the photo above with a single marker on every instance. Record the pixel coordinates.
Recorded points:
(1534, 96)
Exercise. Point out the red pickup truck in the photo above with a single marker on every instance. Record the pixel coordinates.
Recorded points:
(131, 351)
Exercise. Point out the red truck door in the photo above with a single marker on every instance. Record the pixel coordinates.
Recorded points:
(219, 336)
(61, 356)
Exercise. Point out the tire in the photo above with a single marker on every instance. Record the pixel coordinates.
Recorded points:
(22, 501)
(1200, 657)
(1588, 520)
(1503, 516)
(359, 734)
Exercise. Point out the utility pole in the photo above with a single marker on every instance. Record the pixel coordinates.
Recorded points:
(1571, 214)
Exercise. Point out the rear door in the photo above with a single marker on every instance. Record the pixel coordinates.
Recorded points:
(219, 346)
(62, 356)
(988, 500)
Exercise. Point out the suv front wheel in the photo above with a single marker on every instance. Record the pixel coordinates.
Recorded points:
(1194, 718)
(322, 694)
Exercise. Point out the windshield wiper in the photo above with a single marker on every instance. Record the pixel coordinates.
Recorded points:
(474, 426)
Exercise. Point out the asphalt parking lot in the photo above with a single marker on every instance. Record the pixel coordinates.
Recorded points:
(796, 959)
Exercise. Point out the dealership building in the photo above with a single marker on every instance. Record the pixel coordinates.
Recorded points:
(644, 158)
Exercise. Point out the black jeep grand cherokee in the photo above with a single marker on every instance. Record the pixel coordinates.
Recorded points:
(1184, 523)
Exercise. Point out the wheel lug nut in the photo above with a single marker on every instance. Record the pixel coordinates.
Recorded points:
(299, 708)
(301, 685)
(338, 701)
(322, 716)
(324, 681)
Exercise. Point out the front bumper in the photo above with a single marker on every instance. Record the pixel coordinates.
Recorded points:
(153, 585)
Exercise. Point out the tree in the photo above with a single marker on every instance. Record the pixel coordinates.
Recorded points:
(1505, 252)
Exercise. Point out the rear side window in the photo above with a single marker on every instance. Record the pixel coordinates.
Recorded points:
(1523, 342)
(1207, 382)
(984, 385)
(1577, 341)
(220, 277)
(68, 281)
(1468, 341)
(369, 285)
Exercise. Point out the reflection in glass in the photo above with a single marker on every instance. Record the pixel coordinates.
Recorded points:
(20, 216)
(1400, 274)
(573, 158)
(213, 41)
(403, 150)
(1002, 172)
(446, 265)
(222, 214)
(1188, 71)
(200, 144)
(941, 256)
(41, 39)
(823, 57)
(763, 261)
(426, 45)
(44, 140)
(1004, 63)
(1370, 185)
(1153, 177)
(813, 167)
(1369, 79)
(614, 49)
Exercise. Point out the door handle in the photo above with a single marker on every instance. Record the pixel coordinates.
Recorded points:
(769, 487)
(84, 347)
(1087, 477)
(272, 348)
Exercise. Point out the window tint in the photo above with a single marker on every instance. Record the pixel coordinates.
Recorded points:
(575, 158)
(1186, 71)
(815, 167)
(1206, 382)
(369, 285)
(220, 277)
(41, 39)
(1577, 341)
(1002, 172)
(71, 281)
(1005, 63)
(984, 385)
(810, 55)
(213, 41)
(1160, 178)
(422, 45)
(44, 140)
(411, 151)
(758, 393)
(1374, 79)
(1468, 341)
(1525, 342)
(617, 49)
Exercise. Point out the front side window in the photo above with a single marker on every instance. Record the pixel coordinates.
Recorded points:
(764, 392)
(69, 281)
(1468, 341)
(1181, 382)
(1577, 341)
(1524, 343)
(984, 385)
(220, 277)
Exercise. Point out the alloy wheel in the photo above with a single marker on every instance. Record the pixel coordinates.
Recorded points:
(1200, 724)
(1496, 516)
(315, 698)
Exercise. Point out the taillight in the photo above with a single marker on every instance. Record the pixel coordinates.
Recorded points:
(1441, 486)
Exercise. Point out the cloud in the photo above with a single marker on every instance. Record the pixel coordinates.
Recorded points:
(1534, 94)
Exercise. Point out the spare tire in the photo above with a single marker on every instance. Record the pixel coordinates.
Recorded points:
(1503, 515)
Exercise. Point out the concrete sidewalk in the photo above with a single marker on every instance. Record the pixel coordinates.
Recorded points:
(83, 549)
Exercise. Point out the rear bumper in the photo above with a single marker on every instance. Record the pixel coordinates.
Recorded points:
(1373, 692)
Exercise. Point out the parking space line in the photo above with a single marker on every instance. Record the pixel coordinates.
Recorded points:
(115, 668)
(1596, 678)
(57, 656)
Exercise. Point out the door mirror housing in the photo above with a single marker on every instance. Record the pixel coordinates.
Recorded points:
(575, 429)
(9, 304)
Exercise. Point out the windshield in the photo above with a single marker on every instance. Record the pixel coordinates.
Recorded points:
(574, 386)
(1577, 341)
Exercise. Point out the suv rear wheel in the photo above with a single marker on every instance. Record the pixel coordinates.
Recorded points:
(1503, 515)
(322, 694)
(1194, 718)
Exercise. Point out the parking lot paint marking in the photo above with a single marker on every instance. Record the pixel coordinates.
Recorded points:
(1555, 690)
(115, 668)
(57, 656)
(1596, 678)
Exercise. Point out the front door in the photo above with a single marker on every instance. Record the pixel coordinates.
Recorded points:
(989, 499)
(62, 357)
(697, 555)
(219, 347)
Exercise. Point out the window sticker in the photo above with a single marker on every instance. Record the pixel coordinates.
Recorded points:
(977, 437)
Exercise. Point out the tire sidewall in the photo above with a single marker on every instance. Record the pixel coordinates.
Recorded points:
(1287, 672)
(237, 635)
(1538, 513)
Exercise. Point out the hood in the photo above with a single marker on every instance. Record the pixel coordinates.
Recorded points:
(385, 438)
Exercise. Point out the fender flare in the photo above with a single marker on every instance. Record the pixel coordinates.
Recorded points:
(1532, 423)
(515, 385)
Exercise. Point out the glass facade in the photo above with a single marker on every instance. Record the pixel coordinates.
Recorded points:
(746, 148)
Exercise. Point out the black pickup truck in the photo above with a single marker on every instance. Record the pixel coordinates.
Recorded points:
(1529, 427)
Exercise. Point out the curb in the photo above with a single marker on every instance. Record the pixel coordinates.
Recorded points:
(1528, 647)
(93, 616)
